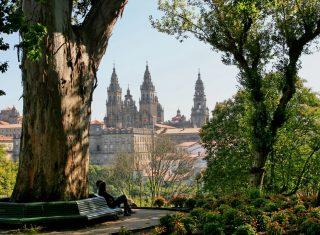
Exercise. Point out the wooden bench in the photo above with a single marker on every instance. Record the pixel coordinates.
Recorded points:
(62, 211)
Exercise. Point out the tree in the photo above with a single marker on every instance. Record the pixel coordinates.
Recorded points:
(295, 155)
(254, 36)
(10, 21)
(125, 174)
(225, 138)
(167, 166)
(63, 43)
(8, 172)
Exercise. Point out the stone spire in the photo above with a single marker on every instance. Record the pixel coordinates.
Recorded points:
(147, 82)
(199, 112)
(114, 103)
(114, 85)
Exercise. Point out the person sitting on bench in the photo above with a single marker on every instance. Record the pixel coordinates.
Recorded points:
(111, 201)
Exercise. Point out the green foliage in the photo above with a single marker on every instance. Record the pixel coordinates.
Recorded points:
(190, 203)
(243, 218)
(8, 173)
(212, 228)
(310, 226)
(254, 36)
(100, 173)
(177, 223)
(10, 21)
(295, 155)
(178, 201)
(245, 229)
(33, 36)
(159, 202)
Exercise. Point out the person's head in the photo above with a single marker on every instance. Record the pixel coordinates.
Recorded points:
(98, 183)
(102, 187)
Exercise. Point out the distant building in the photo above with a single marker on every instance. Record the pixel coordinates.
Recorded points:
(10, 130)
(196, 151)
(179, 121)
(10, 115)
(106, 143)
(180, 135)
(200, 111)
(124, 113)
(6, 142)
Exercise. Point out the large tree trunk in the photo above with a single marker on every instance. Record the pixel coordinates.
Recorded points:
(57, 95)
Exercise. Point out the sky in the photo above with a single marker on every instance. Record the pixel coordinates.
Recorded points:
(173, 65)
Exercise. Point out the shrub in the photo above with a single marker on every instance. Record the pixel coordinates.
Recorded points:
(191, 203)
(299, 208)
(177, 223)
(211, 217)
(279, 217)
(262, 222)
(200, 202)
(159, 202)
(189, 224)
(124, 231)
(315, 212)
(310, 226)
(259, 202)
(159, 230)
(254, 193)
(245, 229)
(234, 217)
(274, 228)
(198, 213)
(270, 206)
(178, 201)
(212, 228)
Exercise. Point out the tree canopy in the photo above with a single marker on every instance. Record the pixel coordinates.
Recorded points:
(258, 37)
(294, 161)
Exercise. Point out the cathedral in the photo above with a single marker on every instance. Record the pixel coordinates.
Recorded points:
(124, 113)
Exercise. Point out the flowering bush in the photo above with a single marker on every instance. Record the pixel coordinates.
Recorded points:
(178, 201)
(159, 202)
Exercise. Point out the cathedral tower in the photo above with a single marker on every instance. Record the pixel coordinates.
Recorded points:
(114, 103)
(151, 111)
(199, 112)
(130, 112)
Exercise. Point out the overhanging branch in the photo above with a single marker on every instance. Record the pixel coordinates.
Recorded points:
(98, 24)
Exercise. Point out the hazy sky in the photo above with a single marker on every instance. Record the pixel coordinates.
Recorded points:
(173, 65)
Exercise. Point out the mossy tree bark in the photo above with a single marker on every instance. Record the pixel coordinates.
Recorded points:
(57, 95)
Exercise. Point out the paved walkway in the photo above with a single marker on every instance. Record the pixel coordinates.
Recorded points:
(141, 219)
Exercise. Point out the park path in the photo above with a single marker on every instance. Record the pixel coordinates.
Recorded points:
(143, 218)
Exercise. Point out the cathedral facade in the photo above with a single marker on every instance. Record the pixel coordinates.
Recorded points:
(123, 113)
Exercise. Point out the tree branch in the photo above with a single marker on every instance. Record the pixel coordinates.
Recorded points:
(98, 24)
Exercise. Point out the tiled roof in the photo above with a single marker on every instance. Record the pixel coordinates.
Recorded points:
(5, 138)
(96, 122)
(187, 144)
(10, 126)
(164, 126)
(181, 131)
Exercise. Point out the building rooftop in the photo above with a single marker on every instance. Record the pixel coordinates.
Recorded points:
(6, 138)
(10, 126)
(179, 131)
(96, 122)
(158, 125)
(3, 123)
(187, 144)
